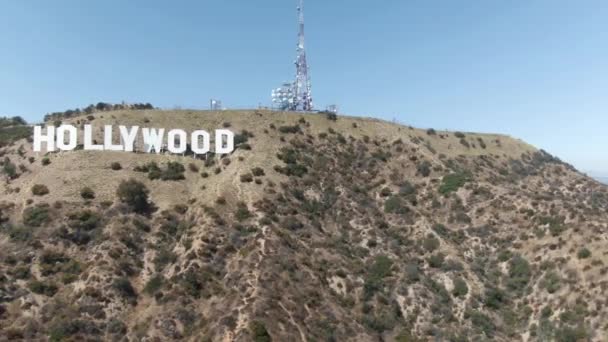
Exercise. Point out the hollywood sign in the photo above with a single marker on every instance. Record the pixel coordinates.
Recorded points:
(65, 138)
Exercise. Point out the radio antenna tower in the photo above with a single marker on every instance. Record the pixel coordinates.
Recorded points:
(302, 84)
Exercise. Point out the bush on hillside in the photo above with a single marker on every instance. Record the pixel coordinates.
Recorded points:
(257, 171)
(174, 172)
(124, 288)
(424, 169)
(430, 243)
(583, 253)
(242, 212)
(453, 182)
(395, 205)
(246, 178)
(40, 190)
(331, 116)
(87, 193)
(258, 332)
(9, 169)
(43, 288)
(134, 194)
(378, 270)
(116, 166)
(290, 129)
(460, 288)
(36, 216)
(519, 273)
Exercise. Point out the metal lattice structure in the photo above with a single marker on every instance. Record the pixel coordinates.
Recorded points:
(297, 95)
(302, 84)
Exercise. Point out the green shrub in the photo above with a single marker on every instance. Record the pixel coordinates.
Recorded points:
(36, 216)
(583, 253)
(481, 322)
(430, 243)
(290, 129)
(571, 334)
(20, 234)
(134, 194)
(436, 260)
(9, 169)
(453, 182)
(164, 257)
(86, 220)
(551, 282)
(378, 270)
(459, 135)
(395, 205)
(45, 161)
(124, 288)
(43, 288)
(412, 272)
(116, 166)
(174, 171)
(87, 193)
(258, 332)
(242, 212)
(519, 273)
(40, 190)
(154, 284)
(294, 170)
(460, 288)
(424, 169)
(258, 172)
(495, 298)
(246, 178)
(193, 282)
(331, 116)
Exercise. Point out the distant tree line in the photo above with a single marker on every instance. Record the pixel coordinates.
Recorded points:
(14, 121)
(13, 129)
(93, 108)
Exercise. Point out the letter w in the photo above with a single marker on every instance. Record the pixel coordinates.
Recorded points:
(153, 140)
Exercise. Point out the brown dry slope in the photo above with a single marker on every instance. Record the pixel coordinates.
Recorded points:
(312, 230)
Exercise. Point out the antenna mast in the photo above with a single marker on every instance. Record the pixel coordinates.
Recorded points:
(302, 85)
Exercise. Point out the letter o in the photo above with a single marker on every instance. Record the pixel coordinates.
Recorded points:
(72, 138)
(182, 141)
(194, 142)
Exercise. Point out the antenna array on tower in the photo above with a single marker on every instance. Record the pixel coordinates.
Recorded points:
(297, 95)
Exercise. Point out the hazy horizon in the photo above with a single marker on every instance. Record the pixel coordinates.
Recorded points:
(533, 70)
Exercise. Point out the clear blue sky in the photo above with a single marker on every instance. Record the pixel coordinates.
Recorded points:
(534, 69)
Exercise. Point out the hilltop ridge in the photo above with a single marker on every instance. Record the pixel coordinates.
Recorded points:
(314, 228)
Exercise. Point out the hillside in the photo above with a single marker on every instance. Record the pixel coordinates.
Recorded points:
(603, 179)
(312, 230)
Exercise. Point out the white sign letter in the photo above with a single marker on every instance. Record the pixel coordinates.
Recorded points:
(88, 140)
(220, 148)
(182, 141)
(72, 139)
(107, 140)
(49, 139)
(153, 140)
(194, 143)
(128, 137)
